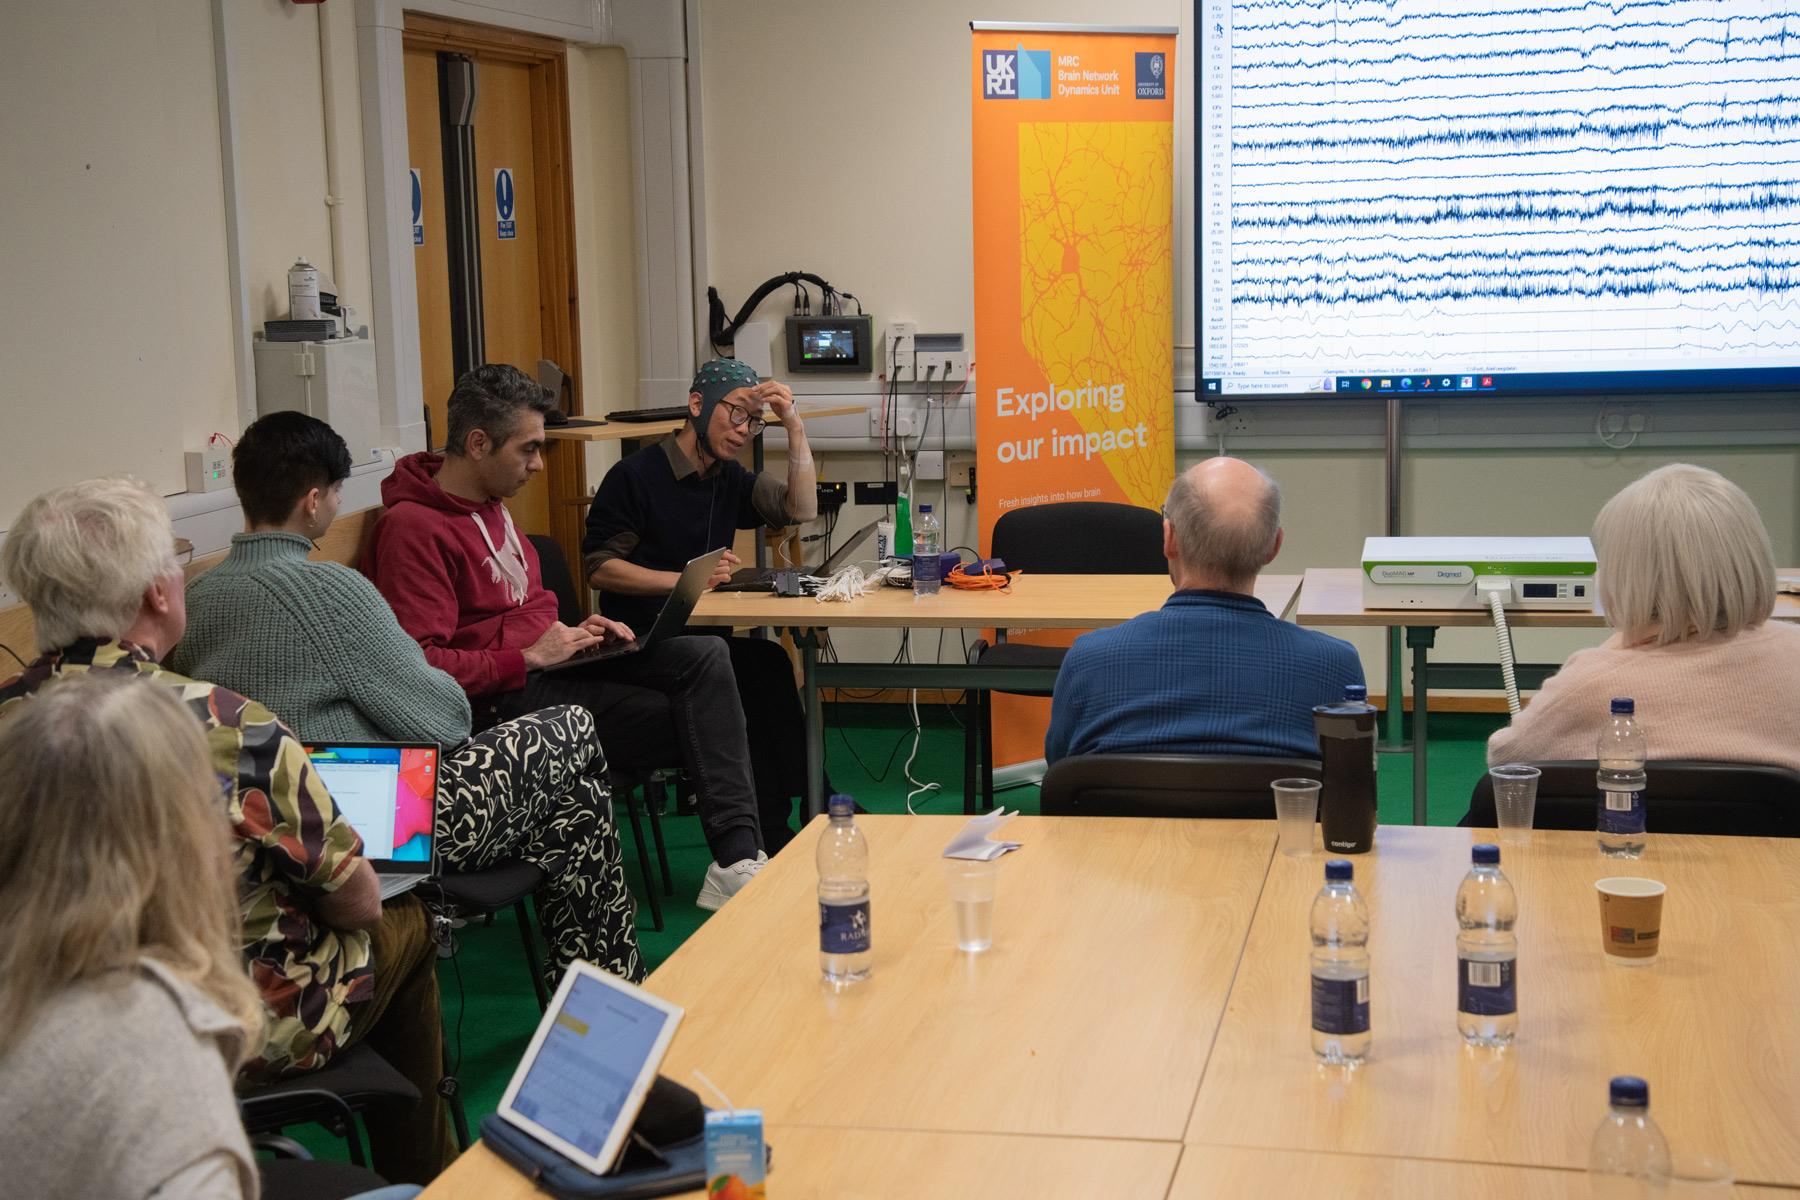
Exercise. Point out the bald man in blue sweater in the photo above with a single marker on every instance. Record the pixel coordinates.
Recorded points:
(1212, 671)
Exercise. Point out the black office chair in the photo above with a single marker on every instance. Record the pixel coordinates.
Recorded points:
(483, 893)
(1168, 785)
(1077, 538)
(354, 1080)
(1683, 796)
(572, 610)
(295, 1175)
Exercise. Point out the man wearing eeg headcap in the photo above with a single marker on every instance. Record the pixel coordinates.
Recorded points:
(686, 495)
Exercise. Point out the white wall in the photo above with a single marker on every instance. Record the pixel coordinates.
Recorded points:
(115, 323)
(114, 320)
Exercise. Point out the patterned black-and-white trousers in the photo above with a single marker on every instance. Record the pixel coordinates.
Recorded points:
(534, 788)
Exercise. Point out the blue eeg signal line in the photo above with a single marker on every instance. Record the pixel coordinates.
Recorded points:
(1472, 173)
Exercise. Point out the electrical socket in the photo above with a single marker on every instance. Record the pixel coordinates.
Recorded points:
(899, 340)
(1637, 422)
(903, 424)
(959, 468)
(929, 464)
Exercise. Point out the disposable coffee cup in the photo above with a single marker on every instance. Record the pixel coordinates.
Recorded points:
(1297, 812)
(1630, 919)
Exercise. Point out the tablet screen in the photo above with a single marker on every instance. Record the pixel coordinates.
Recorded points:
(581, 1080)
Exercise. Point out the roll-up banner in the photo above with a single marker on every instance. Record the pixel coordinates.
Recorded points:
(1074, 169)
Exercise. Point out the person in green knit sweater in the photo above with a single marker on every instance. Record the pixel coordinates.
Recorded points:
(318, 645)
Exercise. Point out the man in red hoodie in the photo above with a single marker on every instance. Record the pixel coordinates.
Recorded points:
(467, 588)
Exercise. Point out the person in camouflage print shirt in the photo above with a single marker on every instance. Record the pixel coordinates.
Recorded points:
(95, 561)
(291, 839)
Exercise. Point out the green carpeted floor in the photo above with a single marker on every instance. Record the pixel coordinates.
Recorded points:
(489, 1008)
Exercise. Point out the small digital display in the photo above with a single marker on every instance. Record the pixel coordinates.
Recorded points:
(1539, 591)
(839, 344)
(828, 344)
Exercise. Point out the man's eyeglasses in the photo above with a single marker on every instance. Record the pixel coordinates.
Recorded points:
(741, 419)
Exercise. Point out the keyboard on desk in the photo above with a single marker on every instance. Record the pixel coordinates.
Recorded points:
(675, 412)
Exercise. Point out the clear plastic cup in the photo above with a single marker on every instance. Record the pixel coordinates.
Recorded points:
(1515, 799)
(972, 886)
(1296, 813)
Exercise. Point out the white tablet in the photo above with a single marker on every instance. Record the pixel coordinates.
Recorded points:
(593, 1058)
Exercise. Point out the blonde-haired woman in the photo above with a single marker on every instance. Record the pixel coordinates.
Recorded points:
(1687, 579)
(124, 1005)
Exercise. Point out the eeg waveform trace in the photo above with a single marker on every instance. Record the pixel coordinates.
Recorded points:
(1576, 190)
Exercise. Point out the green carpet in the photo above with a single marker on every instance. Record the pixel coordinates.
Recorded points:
(490, 1010)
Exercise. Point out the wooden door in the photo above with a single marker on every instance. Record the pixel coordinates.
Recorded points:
(511, 292)
(528, 293)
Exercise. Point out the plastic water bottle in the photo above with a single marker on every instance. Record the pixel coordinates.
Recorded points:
(1628, 1149)
(1340, 969)
(928, 542)
(1487, 952)
(843, 859)
(1620, 806)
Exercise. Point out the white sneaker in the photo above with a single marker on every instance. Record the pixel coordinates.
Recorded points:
(722, 883)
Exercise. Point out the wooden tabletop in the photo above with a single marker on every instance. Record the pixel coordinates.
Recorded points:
(1032, 602)
(1207, 1172)
(1091, 1016)
(1710, 1024)
(1333, 596)
(618, 431)
(859, 1164)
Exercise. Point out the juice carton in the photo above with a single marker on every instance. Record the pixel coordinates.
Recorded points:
(734, 1154)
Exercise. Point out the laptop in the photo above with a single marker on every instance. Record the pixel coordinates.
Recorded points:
(669, 622)
(589, 1066)
(388, 793)
(762, 579)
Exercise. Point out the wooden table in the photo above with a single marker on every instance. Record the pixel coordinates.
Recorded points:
(1090, 1017)
(1332, 596)
(644, 431)
(1711, 1024)
(1214, 1171)
(1032, 602)
(880, 1164)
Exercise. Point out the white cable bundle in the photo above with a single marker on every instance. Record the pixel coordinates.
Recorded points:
(847, 584)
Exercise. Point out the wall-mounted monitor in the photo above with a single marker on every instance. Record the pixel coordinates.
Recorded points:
(1491, 197)
(831, 344)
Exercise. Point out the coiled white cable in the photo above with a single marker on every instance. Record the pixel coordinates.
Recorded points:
(1503, 638)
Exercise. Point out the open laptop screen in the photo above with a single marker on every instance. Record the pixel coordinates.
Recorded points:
(387, 791)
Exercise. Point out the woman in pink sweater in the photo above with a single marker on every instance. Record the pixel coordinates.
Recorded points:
(1687, 580)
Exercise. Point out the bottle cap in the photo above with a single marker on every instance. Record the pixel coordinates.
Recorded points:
(1623, 704)
(924, 508)
(1485, 854)
(841, 805)
(1356, 691)
(1339, 870)
(1628, 1091)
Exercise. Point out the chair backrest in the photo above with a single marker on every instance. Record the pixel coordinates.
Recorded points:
(1084, 537)
(555, 570)
(1168, 785)
(1682, 796)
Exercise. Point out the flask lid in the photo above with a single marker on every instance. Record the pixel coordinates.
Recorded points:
(1485, 854)
(841, 805)
(1628, 1091)
(1623, 704)
(1338, 870)
(1356, 691)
